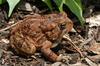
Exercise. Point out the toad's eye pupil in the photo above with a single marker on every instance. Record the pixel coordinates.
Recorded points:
(62, 26)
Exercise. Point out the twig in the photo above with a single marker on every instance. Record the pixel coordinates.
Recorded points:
(4, 29)
(73, 45)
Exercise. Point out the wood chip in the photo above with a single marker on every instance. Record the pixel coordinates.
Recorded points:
(90, 62)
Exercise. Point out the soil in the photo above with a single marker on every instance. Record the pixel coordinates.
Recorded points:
(81, 40)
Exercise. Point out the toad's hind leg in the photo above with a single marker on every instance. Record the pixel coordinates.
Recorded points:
(48, 53)
(22, 45)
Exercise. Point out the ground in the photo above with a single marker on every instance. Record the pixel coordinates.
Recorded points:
(86, 38)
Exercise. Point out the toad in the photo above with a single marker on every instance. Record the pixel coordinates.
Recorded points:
(39, 32)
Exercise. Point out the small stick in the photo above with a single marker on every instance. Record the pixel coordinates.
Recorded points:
(4, 29)
(73, 45)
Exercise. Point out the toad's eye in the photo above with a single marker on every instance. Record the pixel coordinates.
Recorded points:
(62, 26)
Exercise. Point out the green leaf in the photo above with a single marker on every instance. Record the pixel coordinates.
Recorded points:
(79, 3)
(59, 4)
(12, 4)
(2, 1)
(76, 9)
(48, 2)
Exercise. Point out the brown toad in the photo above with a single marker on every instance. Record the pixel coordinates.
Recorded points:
(39, 32)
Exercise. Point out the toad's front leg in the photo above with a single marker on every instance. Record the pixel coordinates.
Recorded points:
(48, 53)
